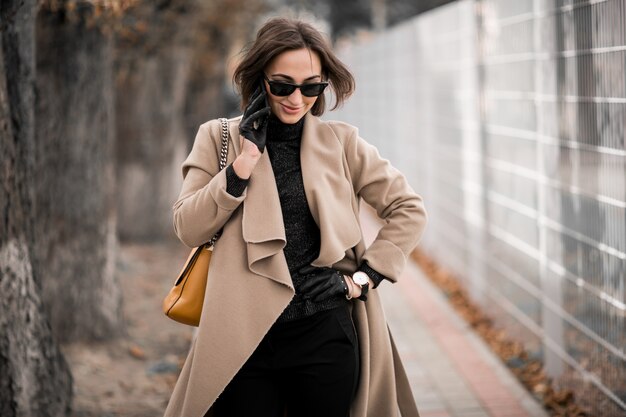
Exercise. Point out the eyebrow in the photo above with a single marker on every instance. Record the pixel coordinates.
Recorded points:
(289, 78)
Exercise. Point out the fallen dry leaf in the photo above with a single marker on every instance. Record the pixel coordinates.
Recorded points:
(137, 352)
(529, 372)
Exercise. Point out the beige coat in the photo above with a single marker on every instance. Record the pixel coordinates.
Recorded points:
(249, 283)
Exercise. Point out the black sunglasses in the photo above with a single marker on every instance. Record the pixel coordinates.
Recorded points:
(282, 88)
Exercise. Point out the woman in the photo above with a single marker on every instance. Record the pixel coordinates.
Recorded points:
(292, 322)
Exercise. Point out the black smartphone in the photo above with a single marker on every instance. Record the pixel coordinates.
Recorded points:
(262, 82)
(258, 123)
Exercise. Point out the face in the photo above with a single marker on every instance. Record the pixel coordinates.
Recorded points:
(298, 66)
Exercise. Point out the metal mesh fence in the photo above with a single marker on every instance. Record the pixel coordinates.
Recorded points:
(509, 116)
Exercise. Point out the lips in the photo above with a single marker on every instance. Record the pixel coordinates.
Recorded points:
(291, 110)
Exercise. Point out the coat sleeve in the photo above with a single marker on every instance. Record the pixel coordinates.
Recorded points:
(385, 188)
(204, 204)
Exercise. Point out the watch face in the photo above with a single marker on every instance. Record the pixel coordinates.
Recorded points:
(360, 278)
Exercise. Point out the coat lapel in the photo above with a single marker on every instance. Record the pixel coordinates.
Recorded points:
(329, 195)
(262, 225)
(328, 191)
(262, 220)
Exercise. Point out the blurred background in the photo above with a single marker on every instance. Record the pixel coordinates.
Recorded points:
(509, 119)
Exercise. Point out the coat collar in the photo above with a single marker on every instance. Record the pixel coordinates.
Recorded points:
(328, 190)
(329, 194)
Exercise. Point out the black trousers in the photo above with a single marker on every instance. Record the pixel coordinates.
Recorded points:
(308, 366)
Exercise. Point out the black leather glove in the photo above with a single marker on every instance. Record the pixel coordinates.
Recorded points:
(253, 125)
(323, 283)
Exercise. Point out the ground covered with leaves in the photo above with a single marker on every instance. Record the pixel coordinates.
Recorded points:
(133, 376)
(559, 402)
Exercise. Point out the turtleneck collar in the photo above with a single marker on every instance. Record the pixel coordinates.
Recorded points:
(278, 131)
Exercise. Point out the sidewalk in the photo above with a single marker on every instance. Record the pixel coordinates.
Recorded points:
(452, 372)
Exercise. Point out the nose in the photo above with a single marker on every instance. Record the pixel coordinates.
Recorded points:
(295, 97)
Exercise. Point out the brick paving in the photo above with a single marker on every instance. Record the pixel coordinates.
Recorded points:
(452, 372)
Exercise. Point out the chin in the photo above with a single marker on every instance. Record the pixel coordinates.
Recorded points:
(290, 118)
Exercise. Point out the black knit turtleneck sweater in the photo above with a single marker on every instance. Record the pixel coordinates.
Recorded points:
(301, 231)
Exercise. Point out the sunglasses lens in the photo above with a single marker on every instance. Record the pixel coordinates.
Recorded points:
(281, 89)
(313, 90)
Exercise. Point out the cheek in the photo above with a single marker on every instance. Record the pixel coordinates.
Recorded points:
(310, 101)
(274, 102)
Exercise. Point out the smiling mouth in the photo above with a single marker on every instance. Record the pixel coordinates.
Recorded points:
(291, 109)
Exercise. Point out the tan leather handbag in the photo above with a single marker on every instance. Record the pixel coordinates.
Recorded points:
(184, 301)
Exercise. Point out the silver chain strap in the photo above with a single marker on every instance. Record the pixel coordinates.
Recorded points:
(224, 152)
(223, 156)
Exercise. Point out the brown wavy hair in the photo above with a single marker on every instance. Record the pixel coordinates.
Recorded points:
(278, 35)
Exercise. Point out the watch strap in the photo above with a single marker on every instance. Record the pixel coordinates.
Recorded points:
(374, 275)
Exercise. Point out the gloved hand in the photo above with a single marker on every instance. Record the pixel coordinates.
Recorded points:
(253, 125)
(324, 284)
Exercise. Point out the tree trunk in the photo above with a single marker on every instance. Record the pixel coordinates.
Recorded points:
(170, 79)
(152, 69)
(150, 143)
(75, 222)
(34, 377)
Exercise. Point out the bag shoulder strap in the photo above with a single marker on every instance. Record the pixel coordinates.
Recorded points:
(223, 157)
(224, 151)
